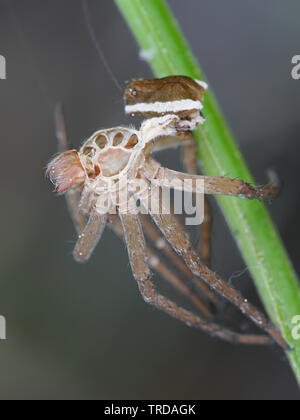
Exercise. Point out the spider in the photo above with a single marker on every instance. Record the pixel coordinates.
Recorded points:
(121, 157)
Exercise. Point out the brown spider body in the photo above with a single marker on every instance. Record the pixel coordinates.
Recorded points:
(102, 182)
(179, 95)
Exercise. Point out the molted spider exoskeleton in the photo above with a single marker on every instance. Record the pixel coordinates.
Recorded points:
(102, 182)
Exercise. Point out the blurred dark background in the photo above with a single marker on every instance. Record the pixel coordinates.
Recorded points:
(83, 331)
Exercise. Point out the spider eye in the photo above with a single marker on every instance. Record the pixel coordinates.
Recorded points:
(132, 142)
(101, 141)
(133, 91)
(118, 139)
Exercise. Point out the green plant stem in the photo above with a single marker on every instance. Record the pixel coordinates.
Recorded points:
(161, 40)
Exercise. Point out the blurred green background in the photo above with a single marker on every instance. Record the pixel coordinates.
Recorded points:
(83, 331)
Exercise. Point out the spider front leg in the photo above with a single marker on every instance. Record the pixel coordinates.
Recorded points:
(72, 195)
(138, 259)
(181, 244)
(161, 268)
(164, 177)
(160, 243)
(90, 236)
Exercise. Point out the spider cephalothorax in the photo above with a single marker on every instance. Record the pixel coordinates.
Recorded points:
(120, 157)
(106, 155)
(108, 161)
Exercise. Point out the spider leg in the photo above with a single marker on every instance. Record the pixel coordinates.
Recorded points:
(190, 162)
(162, 269)
(190, 165)
(138, 259)
(72, 195)
(167, 142)
(186, 140)
(157, 265)
(162, 245)
(190, 158)
(182, 245)
(165, 177)
(89, 232)
(90, 236)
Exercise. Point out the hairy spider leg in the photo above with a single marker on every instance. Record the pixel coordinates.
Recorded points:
(137, 255)
(182, 245)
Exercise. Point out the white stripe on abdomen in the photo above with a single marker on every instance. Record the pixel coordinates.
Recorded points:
(164, 107)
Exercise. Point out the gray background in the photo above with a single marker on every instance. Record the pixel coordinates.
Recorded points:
(83, 331)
